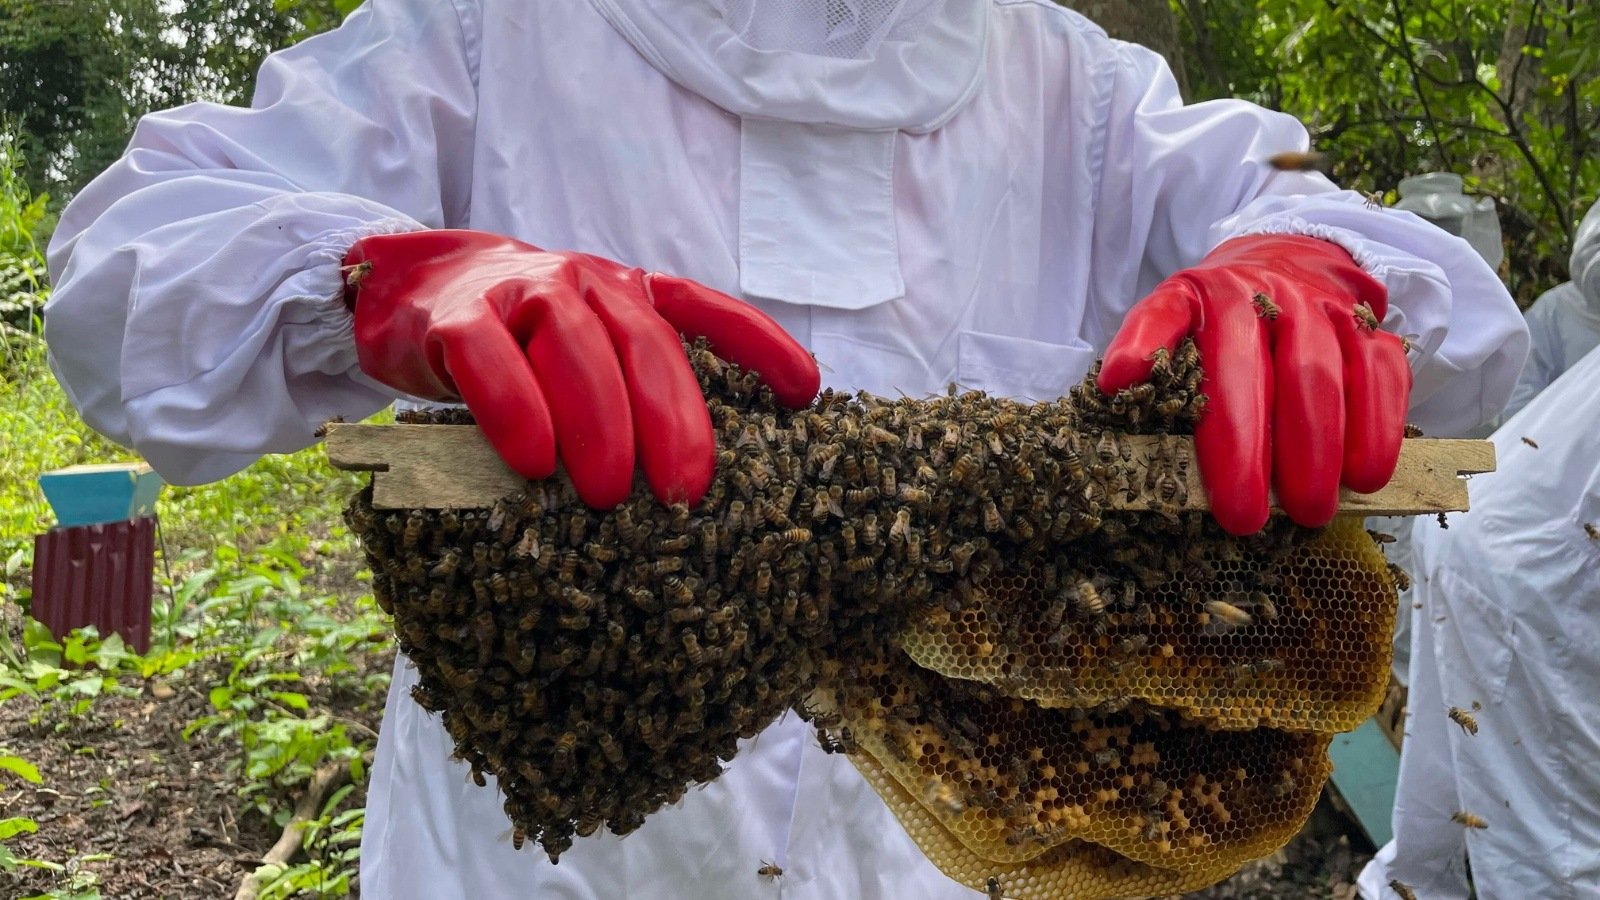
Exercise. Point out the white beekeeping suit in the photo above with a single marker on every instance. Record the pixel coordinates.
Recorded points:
(1437, 197)
(1565, 321)
(920, 193)
(1510, 596)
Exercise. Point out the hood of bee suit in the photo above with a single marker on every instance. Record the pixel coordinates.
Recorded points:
(1585, 264)
(821, 89)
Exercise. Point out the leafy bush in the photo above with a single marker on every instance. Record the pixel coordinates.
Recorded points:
(1505, 93)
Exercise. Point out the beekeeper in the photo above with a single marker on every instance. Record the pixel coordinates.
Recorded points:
(1565, 321)
(918, 192)
(1507, 636)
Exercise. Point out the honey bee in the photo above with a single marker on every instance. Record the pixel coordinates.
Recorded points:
(1366, 320)
(1530, 442)
(763, 584)
(1090, 603)
(1106, 449)
(412, 531)
(1412, 431)
(869, 530)
(992, 888)
(447, 565)
(1444, 522)
(1373, 200)
(675, 544)
(965, 468)
(1592, 531)
(1285, 785)
(859, 496)
(356, 274)
(322, 430)
(1468, 723)
(572, 621)
(1468, 820)
(821, 506)
(518, 837)
(1381, 537)
(1227, 614)
(1256, 668)
(991, 515)
(796, 535)
(561, 758)
(1299, 161)
(901, 529)
(1402, 889)
(1265, 308)
(769, 870)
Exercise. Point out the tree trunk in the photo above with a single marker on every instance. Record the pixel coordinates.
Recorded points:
(1147, 22)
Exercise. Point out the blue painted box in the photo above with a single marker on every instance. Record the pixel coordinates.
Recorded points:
(107, 492)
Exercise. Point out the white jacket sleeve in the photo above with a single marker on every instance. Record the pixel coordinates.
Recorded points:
(197, 315)
(1179, 180)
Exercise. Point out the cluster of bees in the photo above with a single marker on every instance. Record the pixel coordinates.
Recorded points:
(597, 664)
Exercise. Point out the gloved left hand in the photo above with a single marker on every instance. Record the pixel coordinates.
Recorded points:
(1304, 390)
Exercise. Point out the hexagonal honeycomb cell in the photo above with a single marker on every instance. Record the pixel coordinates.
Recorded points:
(1072, 868)
(1240, 640)
(1011, 780)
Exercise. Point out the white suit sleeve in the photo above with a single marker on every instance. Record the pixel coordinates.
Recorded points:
(1542, 369)
(1179, 180)
(197, 314)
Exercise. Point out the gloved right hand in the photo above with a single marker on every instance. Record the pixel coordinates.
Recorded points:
(562, 353)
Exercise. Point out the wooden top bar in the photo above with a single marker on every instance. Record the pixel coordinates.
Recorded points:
(453, 467)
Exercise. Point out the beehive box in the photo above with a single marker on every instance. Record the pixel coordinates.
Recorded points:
(1014, 617)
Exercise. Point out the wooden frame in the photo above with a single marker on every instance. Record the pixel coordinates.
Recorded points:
(453, 467)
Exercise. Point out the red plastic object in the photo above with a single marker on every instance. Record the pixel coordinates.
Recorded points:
(100, 575)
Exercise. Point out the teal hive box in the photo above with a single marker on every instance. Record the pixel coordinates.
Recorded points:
(109, 492)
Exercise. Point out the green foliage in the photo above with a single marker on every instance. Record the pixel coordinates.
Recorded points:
(24, 222)
(1504, 92)
(240, 615)
(278, 660)
(77, 74)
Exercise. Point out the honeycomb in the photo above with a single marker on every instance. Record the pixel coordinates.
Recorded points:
(1299, 661)
(1060, 697)
(1011, 780)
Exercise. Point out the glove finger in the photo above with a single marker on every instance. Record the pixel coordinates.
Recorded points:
(1233, 444)
(495, 382)
(740, 334)
(1377, 394)
(576, 364)
(1308, 417)
(676, 445)
(1159, 321)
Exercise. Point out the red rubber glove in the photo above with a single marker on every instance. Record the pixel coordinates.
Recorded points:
(1304, 390)
(562, 353)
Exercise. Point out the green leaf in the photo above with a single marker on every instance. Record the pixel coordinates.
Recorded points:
(10, 828)
(221, 695)
(291, 699)
(20, 767)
